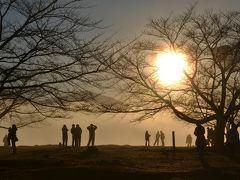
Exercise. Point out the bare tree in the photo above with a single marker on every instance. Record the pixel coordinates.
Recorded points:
(210, 90)
(50, 59)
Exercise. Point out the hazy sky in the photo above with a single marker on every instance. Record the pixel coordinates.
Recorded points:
(127, 17)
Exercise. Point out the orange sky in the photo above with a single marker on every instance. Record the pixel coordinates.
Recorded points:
(111, 130)
(127, 17)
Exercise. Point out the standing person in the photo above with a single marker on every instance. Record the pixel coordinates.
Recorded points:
(73, 132)
(162, 138)
(5, 141)
(157, 139)
(78, 135)
(147, 138)
(200, 141)
(91, 129)
(232, 139)
(211, 137)
(64, 135)
(12, 137)
(189, 140)
(208, 141)
(9, 136)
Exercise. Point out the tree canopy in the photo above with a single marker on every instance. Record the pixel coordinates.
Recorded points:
(209, 91)
(51, 58)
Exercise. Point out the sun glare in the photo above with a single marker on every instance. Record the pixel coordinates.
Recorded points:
(170, 67)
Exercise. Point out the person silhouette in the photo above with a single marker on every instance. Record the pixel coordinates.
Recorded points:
(189, 140)
(200, 140)
(73, 132)
(147, 138)
(213, 136)
(12, 137)
(78, 135)
(232, 139)
(5, 141)
(157, 139)
(9, 136)
(91, 129)
(162, 138)
(64, 135)
(208, 136)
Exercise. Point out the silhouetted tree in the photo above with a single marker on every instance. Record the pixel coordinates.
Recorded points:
(210, 90)
(49, 58)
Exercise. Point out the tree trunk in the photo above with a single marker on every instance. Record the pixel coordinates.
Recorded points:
(219, 133)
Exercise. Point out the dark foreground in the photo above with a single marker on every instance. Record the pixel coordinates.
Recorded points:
(116, 162)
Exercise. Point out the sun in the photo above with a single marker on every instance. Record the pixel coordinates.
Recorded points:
(170, 67)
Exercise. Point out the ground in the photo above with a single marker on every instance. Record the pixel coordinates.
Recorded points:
(116, 162)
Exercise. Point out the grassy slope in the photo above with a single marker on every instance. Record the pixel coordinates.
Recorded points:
(115, 162)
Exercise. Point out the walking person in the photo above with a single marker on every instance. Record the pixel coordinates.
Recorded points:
(64, 135)
(12, 137)
(91, 129)
(147, 138)
(73, 132)
(162, 138)
(78, 135)
(200, 141)
(157, 139)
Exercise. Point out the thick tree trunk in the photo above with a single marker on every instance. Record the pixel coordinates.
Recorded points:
(219, 133)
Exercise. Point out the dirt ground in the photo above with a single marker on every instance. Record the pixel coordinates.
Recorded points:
(116, 162)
